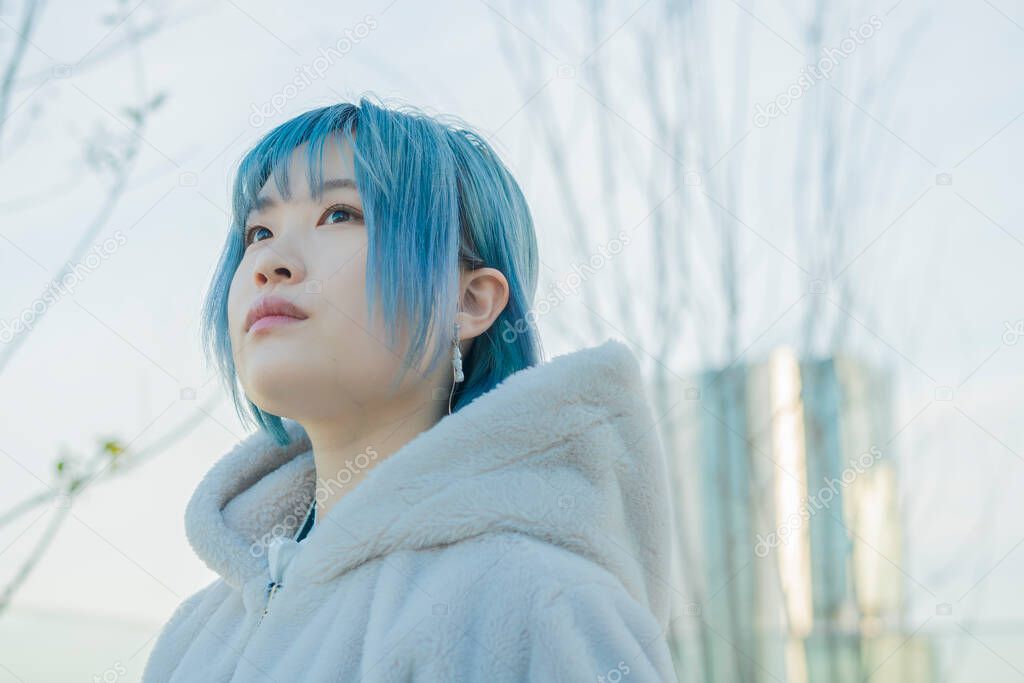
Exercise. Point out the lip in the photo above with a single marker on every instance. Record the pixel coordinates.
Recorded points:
(272, 311)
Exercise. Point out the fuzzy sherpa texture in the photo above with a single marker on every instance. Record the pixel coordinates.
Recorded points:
(523, 538)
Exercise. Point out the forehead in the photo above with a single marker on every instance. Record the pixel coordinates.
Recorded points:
(335, 162)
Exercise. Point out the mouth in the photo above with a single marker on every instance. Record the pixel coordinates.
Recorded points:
(269, 321)
(272, 311)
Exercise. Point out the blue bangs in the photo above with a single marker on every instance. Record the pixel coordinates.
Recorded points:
(435, 198)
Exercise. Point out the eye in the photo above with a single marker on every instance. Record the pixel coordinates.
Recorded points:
(338, 213)
(341, 214)
(250, 234)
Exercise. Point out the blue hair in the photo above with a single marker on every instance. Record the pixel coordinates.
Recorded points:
(435, 198)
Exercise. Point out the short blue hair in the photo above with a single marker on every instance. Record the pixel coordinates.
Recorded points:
(435, 197)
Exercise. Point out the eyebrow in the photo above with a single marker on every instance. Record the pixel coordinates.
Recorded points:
(263, 203)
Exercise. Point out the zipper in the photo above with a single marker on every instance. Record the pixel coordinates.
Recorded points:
(271, 589)
(276, 567)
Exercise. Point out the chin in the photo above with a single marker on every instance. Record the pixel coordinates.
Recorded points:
(274, 387)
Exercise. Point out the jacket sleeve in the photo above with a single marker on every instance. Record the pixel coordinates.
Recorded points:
(597, 632)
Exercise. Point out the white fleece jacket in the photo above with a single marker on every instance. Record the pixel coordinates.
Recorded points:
(523, 538)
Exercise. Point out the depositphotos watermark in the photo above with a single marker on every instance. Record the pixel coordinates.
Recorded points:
(557, 294)
(615, 675)
(813, 73)
(293, 519)
(1013, 333)
(112, 673)
(308, 73)
(819, 500)
(70, 277)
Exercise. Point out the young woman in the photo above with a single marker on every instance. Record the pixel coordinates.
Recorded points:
(424, 499)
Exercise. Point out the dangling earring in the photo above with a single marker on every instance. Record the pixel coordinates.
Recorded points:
(456, 365)
(457, 355)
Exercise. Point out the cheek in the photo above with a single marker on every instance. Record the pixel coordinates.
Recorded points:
(344, 286)
(346, 317)
(237, 304)
(354, 347)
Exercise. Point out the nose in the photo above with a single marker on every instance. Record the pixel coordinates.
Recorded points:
(273, 266)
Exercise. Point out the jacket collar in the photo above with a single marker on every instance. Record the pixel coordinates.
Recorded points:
(565, 451)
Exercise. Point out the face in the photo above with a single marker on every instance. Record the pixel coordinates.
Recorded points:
(322, 360)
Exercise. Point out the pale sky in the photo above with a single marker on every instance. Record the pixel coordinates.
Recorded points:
(938, 279)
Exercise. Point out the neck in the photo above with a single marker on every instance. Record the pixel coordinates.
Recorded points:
(345, 453)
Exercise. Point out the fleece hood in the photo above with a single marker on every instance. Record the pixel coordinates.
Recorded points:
(566, 451)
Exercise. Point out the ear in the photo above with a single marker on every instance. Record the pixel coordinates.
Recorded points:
(484, 295)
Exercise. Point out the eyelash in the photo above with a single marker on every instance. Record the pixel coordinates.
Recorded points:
(356, 216)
